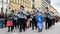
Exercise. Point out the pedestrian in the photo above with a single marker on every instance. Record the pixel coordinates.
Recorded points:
(40, 20)
(2, 19)
(15, 18)
(16, 21)
(5, 18)
(34, 23)
(53, 16)
(28, 21)
(47, 20)
(10, 24)
(23, 16)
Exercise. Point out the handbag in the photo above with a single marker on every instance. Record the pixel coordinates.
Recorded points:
(9, 23)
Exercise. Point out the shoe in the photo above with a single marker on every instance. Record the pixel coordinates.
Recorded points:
(32, 29)
(11, 30)
(24, 30)
(8, 31)
(20, 31)
(41, 30)
(35, 28)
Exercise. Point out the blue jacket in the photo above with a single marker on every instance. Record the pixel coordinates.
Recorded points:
(40, 19)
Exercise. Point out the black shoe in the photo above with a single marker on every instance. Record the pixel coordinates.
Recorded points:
(8, 31)
(33, 29)
(38, 31)
(24, 30)
(20, 31)
(11, 30)
(41, 30)
(46, 28)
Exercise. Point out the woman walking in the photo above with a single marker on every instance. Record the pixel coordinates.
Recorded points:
(10, 24)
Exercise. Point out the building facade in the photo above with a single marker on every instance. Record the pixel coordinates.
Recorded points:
(29, 4)
(54, 10)
(41, 4)
(5, 4)
(48, 1)
(17, 3)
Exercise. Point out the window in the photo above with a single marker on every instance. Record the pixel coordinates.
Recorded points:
(6, 1)
(23, 1)
(33, 6)
(33, 0)
(19, 1)
(48, 1)
(14, 1)
(10, 0)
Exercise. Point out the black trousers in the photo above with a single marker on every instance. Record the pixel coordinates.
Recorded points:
(30, 23)
(22, 24)
(5, 22)
(48, 23)
(15, 23)
(53, 21)
(10, 28)
(34, 23)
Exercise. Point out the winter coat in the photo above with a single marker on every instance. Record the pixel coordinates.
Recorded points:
(40, 20)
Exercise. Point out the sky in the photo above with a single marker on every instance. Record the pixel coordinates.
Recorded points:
(56, 4)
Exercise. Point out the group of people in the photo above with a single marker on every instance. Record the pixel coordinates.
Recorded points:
(24, 20)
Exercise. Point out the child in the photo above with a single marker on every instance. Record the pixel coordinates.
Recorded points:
(40, 20)
(10, 24)
(28, 22)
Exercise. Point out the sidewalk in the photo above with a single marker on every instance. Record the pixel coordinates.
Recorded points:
(53, 30)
